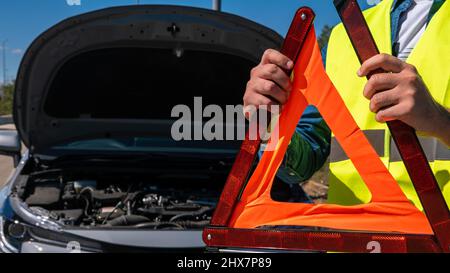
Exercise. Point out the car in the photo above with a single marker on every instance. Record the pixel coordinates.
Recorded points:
(93, 101)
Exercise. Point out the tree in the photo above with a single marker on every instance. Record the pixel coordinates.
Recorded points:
(324, 36)
(6, 103)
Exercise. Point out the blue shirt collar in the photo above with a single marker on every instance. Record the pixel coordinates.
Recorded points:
(395, 2)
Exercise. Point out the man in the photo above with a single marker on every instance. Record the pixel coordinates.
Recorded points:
(415, 89)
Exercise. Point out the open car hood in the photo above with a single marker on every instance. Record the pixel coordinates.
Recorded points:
(120, 71)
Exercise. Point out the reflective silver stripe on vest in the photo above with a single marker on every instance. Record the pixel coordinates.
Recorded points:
(375, 137)
(434, 149)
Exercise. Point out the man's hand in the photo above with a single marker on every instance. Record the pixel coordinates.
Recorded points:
(269, 84)
(400, 94)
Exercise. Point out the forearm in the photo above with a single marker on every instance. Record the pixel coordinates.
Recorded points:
(301, 161)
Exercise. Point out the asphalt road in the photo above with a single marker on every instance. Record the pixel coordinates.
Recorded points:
(6, 166)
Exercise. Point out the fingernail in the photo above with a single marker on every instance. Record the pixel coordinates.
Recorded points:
(359, 73)
(290, 64)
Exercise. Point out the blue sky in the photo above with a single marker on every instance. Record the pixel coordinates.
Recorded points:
(23, 20)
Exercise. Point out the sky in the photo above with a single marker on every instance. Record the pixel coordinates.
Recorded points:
(23, 20)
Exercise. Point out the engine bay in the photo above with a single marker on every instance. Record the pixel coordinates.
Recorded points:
(172, 203)
(111, 193)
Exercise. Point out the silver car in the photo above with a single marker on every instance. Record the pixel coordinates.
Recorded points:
(93, 104)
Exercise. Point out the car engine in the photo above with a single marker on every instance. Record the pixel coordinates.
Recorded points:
(107, 202)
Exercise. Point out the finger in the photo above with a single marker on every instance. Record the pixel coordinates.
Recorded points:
(380, 82)
(275, 57)
(269, 89)
(258, 101)
(274, 73)
(384, 100)
(381, 61)
(249, 111)
(389, 114)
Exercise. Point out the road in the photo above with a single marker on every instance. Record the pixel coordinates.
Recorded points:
(6, 163)
(6, 166)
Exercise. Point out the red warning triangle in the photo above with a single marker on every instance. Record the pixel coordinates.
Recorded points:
(389, 218)
(389, 210)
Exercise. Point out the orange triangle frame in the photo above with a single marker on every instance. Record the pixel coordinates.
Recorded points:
(389, 219)
(389, 210)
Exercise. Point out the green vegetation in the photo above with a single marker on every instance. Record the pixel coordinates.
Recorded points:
(324, 36)
(7, 101)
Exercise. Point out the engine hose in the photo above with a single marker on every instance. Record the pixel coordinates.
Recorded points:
(127, 220)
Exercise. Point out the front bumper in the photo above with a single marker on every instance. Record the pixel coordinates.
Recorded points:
(40, 240)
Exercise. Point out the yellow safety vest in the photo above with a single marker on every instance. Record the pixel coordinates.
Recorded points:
(431, 57)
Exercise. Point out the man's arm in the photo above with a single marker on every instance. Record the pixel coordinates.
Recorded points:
(309, 147)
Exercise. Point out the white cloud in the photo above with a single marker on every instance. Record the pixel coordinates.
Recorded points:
(373, 2)
(17, 51)
(73, 2)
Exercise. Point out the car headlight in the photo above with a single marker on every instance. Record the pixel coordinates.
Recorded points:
(16, 229)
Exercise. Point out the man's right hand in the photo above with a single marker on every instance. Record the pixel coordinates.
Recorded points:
(269, 84)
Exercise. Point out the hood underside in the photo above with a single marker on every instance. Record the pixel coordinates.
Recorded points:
(120, 71)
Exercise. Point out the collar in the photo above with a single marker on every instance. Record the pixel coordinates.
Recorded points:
(399, 1)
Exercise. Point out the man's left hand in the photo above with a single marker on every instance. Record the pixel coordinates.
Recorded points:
(401, 94)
